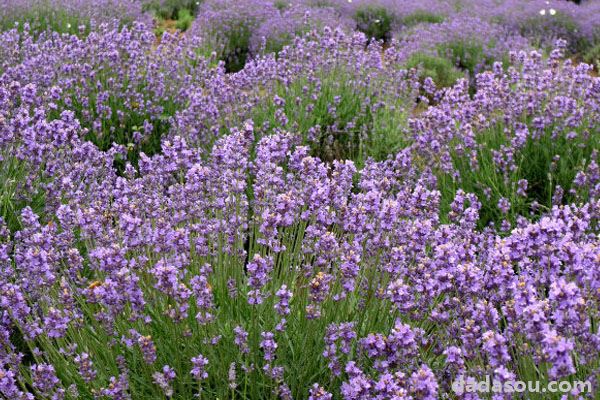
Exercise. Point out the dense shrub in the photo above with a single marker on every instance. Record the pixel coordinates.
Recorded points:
(440, 69)
(375, 22)
(172, 9)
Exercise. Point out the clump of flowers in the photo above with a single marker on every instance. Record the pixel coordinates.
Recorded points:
(273, 244)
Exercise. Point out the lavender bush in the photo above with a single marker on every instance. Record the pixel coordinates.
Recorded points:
(68, 16)
(122, 87)
(342, 218)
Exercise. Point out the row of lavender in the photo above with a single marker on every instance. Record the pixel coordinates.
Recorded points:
(173, 230)
(472, 34)
(69, 16)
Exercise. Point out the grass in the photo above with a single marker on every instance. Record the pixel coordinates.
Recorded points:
(421, 17)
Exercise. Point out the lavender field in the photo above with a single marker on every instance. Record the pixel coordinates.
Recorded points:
(299, 199)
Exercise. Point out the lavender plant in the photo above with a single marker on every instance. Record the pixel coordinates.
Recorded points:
(312, 280)
(341, 112)
(228, 27)
(121, 86)
(470, 43)
(67, 16)
(336, 220)
(524, 156)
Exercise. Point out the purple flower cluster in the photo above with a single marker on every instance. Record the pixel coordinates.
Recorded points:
(265, 240)
(482, 292)
(464, 40)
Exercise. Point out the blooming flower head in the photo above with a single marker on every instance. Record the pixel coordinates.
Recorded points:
(199, 364)
(164, 378)
(318, 393)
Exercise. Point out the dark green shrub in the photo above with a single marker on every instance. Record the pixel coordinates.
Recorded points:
(440, 69)
(170, 9)
(374, 21)
(592, 56)
(184, 20)
(467, 55)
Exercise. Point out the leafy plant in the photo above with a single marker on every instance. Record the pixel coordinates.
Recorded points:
(440, 69)
(170, 9)
(374, 21)
(184, 20)
(467, 55)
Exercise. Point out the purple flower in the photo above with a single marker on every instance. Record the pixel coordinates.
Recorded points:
(86, 367)
(319, 393)
(424, 384)
(558, 352)
(268, 345)
(199, 364)
(503, 205)
(258, 270)
(44, 378)
(282, 306)
(241, 339)
(163, 380)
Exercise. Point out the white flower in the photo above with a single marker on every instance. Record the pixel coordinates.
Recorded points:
(349, 1)
(542, 12)
(377, 21)
(552, 11)
(68, 26)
